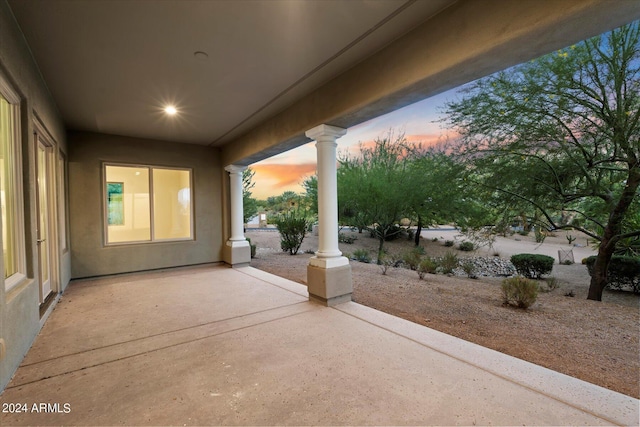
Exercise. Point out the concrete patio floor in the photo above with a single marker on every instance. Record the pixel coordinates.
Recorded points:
(212, 345)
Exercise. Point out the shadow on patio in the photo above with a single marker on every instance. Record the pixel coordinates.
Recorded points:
(212, 345)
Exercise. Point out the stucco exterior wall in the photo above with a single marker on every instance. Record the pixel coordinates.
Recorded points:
(89, 254)
(19, 307)
(467, 41)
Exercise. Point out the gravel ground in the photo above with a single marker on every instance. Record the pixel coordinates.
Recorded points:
(595, 341)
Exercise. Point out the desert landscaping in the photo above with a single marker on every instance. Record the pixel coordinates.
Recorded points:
(597, 342)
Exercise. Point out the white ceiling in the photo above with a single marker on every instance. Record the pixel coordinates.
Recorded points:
(112, 66)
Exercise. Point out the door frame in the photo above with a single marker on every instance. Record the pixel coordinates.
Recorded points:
(44, 138)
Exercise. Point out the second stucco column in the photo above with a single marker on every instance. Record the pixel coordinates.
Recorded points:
(328, 273)
(238, 250)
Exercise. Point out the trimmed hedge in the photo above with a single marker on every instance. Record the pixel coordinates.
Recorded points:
(623, 272)
(532, 266)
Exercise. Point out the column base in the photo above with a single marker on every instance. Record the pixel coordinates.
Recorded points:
(329, 286)
(237, 253)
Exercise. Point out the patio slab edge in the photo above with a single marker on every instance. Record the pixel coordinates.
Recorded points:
(608, 405)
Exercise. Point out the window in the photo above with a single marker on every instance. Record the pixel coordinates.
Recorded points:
(13, 249)
(147, 204)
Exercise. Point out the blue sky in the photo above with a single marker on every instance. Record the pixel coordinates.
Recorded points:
(286, 171)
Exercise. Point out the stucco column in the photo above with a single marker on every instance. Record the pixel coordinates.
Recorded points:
(238, 250)
(328, 273)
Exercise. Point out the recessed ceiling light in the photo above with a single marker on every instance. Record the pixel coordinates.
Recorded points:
(170, 110)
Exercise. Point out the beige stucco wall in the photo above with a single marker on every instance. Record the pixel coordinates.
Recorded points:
(89, 255)
(19, 313)
(467, 41)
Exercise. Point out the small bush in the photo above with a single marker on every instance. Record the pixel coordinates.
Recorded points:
(385, 261)
(449, 262)
(470, 269)
(411, 259)
(540, 234)
(343, 238)
(427, 265)
(448, 243)
(362, 255)
(532, 266)
(466, 246)
(519, 292)
(254, 248)
(552, 283)
(435, 239)
(567, 262)
(420, 250)
(523, 232)
(292, 226)
(410, 234)
(623, 272)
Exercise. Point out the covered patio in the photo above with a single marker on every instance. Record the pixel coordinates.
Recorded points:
(214, 345)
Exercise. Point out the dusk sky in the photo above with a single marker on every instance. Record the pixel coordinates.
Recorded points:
(286, 171)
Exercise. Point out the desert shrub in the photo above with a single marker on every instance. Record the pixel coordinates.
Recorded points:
(623, 272)
(466, 246)
(411, 259)
(385, 261)
(362, 255)
(292, 226)
(523, 232)
(519, 292)
(470, 269)
(427, 265)
(343, 238)
(420, 250)
(253, 247)
(532, 266)
(552, 283)
(449, 262)
(567, 262)
(435, 239)
(540, 234)
(448, 243)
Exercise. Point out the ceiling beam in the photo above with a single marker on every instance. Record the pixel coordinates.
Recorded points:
(469, 40)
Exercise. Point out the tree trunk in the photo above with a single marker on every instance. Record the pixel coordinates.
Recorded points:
(599, 273)
(610, 236)
(418, 231)
(381, 238)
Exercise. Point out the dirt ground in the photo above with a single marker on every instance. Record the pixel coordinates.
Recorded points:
(595, 341)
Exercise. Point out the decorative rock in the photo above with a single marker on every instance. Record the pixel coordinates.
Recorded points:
(488, 267)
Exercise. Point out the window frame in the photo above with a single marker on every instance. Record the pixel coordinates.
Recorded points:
(12, 97)
(152, 240)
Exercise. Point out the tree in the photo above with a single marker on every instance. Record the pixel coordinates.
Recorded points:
(249, 204)
(561, 133)
(372, 187)
(437, 190)
(310, 185)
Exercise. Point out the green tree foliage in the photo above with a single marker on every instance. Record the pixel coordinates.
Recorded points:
(249, 204)
(561, 134)
(372, 187)
(310, 185)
